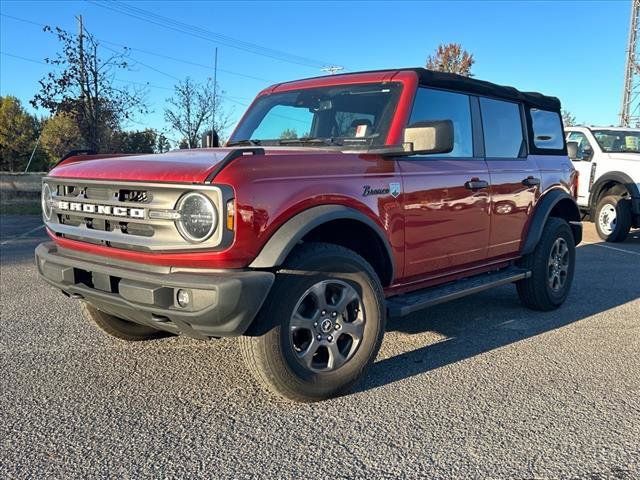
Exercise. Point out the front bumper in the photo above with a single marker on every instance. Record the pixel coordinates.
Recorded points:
(223, 302)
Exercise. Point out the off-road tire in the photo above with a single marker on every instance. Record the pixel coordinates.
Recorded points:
(622, 208)
(268, 348)
(117, 327)
(535, 291)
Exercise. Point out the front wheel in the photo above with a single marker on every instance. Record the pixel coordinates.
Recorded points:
(552, 265)
(613, 218)
(320, 327)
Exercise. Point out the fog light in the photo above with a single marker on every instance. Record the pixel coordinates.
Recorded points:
(183, 298)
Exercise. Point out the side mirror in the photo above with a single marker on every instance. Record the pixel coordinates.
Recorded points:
(572, 151)
(430, 137)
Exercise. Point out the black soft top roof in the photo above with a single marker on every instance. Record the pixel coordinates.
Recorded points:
(453, 81)
(457, 82)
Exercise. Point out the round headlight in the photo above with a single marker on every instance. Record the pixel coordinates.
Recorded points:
(198, 217)
(47, 202)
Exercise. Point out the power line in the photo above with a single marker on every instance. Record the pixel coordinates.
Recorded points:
(156, 54)
(204, 34)
(231, 98)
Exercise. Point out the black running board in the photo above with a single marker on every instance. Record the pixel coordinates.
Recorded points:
(408, 303)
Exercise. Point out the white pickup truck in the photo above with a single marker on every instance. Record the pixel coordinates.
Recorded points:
(608, 160)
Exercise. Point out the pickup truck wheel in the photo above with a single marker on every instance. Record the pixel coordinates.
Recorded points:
(613, 218)
(320, 327)
(552, 265)
(117, 327)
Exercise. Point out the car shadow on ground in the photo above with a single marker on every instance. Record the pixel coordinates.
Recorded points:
(493, 319)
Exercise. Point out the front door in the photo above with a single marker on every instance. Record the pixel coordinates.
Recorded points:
(446, 197)
(585, 164)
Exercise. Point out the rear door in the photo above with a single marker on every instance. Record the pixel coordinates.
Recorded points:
(446, 196)
(515, 177)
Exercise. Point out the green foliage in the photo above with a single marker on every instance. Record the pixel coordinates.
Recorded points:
(162, 145)
(18, 134)
(143, 141)
(60, 135)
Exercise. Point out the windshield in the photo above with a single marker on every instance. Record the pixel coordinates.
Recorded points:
(339, 115)
(618, 141)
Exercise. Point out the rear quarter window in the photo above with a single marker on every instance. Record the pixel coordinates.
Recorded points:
(547, 129)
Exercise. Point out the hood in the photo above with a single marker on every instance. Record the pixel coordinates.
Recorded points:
(180, 166)
(628, 163)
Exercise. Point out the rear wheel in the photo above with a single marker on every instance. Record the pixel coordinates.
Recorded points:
(320, 327)
(613, 218)
(552, 266)
(117, 327)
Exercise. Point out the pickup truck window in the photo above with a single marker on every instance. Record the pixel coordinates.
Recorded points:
(618, 141)
(431, 105)
(502, 126)
(339, 115)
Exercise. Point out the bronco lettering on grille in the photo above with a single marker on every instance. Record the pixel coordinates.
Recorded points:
(103, 209)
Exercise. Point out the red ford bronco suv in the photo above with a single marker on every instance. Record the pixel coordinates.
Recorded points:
(338, 202)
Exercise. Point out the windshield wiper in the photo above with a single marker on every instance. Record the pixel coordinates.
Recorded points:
(310, 140)
(243, 142)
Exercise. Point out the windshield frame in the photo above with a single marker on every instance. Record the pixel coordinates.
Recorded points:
(338, 142)
(615, 131)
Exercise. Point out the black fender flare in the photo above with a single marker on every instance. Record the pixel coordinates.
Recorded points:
(278, 247)
(542, 212)
(614, 176)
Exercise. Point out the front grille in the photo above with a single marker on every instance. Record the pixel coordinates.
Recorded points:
(117, 215)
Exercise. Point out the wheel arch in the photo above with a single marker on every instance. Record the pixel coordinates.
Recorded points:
(556, 203)
(607, 182)
(336, 224)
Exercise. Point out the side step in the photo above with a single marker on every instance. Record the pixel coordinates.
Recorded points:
(408, 303)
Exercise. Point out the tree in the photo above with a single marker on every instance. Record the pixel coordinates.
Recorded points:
(60, 135)
(288, 134)
(163, 144)
(568, 120)
(18, 134)
(143, 141)
(191, 108)
(452, 58)
(81, 84)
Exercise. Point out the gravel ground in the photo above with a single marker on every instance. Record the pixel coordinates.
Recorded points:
(476, 388)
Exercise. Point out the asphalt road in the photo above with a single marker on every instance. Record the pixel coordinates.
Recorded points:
(476, 388)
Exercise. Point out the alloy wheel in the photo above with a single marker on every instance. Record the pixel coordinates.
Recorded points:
(327, 325)
(558, 265)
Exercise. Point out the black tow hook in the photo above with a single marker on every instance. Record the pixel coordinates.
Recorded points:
(75, 296)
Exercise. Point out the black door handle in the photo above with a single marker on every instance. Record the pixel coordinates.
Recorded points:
(476, 184)
(531, 181)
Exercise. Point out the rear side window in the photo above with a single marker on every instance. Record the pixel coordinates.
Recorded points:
(547, 129)
(431, 105)
(502, 126)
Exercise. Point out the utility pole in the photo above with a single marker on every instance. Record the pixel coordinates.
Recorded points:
(215, 94)
(81, 53)
(333, 69)
(630, 109)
